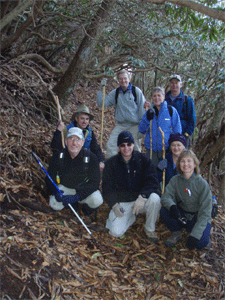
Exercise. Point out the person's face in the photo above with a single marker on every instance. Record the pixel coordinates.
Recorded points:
(158, 98)
(187, 166)
(74, 145)
(126, 150)
(177, 147)
(123, 80)
(175, 86)
(82, 121)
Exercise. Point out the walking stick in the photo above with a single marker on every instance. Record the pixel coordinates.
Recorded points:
(103, 105)
(55, 185)
(150, 133)
(164, 156)
(60, 118)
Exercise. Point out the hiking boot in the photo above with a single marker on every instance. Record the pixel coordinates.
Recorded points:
(209, 245)
(173, 239)
(151, 236)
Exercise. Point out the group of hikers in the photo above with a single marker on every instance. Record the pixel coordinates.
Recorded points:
(164, 181)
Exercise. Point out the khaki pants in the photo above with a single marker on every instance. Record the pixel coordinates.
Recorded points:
(93, 201)
(112, 148)
(118, 226)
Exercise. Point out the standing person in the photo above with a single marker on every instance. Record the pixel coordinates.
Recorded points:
(130, 187)
(162, 116)
(177, 144)
(77, 172)
(81, 118)
(184, 105)
(129, 102)
(187, 203)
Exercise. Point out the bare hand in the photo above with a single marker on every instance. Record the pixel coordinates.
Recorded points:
(101, 166)
(61, 126)
(147, 105)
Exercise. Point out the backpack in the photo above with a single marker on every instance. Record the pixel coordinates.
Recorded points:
(133, 92)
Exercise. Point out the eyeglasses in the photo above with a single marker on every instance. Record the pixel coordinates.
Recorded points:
(126, 145)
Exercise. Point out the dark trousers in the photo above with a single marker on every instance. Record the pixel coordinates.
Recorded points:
(174, 225)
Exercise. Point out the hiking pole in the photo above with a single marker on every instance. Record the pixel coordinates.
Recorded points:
(164, 156)
(55, 185)
(103, 105)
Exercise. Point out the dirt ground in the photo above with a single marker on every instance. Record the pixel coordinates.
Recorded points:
(49, 255)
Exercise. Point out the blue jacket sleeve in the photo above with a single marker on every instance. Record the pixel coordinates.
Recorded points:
(144, 124)
(191, 117)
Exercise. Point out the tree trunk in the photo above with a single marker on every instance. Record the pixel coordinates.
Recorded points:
(75, 69)
(221, 199)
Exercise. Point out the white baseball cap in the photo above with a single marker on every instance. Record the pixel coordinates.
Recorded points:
(75, 131)
(175, 76)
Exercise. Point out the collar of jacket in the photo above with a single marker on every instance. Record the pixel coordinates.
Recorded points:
(129, 88)
(180, 96)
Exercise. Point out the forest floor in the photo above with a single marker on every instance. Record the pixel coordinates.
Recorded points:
(49, 255)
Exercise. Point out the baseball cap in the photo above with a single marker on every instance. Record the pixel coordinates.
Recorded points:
(75, 131)
(175, 76)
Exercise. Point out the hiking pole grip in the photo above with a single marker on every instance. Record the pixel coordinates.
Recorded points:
(55, 185)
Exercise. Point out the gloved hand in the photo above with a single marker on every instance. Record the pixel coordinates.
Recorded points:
(174, 212)
(58, 196)
(139, 204)
(70, 199)
(162, 165)
(192, 242)
(150, 114)
(118, 210)
(103, 82)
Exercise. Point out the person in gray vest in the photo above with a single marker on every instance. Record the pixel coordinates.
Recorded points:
(129, 102)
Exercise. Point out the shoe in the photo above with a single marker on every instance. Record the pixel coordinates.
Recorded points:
(173, 239)
(151, 236)
(209, 245)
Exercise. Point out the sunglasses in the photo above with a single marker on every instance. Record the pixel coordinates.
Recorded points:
(125, 144)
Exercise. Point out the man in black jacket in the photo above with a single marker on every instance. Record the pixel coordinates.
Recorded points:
(77, 173)
(130, 186)
(81, 118)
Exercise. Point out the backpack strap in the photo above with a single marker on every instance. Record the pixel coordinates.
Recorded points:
(170, 110)
(133, 92)
(86, 160)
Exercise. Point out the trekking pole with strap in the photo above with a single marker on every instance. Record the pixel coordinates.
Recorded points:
(164, 156)
(55, 185)
(103, 105)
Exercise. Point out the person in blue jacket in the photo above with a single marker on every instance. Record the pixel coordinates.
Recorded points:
(184, 104)
(177, 144)
(160, 115)
(81, 119)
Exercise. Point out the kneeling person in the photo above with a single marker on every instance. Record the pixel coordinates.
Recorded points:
(77, 171)
(130, 186)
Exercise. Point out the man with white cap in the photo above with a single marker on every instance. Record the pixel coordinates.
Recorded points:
(77, 173)
(184, 105)
(81, 118)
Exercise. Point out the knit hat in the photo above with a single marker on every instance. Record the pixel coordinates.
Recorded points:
(175, 76)
(177, 137)
(125, 137)
(75, 131)
(84, 110)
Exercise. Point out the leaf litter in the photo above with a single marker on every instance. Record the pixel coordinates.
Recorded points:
(49, 255)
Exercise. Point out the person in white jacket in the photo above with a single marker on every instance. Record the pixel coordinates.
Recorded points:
(129, 102)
